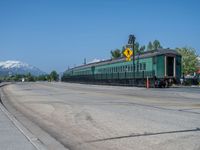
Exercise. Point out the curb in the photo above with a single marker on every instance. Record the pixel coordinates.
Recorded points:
(31, 138)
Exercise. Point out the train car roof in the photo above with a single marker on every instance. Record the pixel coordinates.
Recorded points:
(142, 55)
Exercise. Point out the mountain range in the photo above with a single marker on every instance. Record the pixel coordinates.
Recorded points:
(11, 67)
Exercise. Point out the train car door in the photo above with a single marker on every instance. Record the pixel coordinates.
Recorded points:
(170, 66)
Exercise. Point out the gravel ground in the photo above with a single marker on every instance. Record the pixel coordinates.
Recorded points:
(92, 117)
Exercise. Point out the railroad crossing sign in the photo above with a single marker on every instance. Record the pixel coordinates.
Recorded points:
(128, 53)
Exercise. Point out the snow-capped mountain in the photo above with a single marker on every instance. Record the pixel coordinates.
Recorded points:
(16, 67)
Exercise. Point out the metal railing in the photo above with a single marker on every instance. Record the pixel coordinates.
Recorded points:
(110, 76)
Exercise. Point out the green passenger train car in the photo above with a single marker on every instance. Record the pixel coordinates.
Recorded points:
(163, 65)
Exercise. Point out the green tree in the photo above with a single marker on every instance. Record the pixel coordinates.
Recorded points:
(156, 44)
(42, 78)
(30, 78)
(153, 46)
(142, 48)
(189, 60)
(149, 46)
(136, 47)
(123, 49)
(116, 53)
(54, 76)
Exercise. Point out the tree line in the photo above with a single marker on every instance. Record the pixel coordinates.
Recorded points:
(53, 76)
(117, 53)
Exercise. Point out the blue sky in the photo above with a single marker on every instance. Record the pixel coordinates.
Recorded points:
(55, 34)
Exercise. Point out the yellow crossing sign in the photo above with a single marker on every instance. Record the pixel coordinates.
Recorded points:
(128, 53)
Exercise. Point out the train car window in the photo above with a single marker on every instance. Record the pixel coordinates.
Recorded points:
(144, 66)
(126, 68)
(141, 66)
(154, 60)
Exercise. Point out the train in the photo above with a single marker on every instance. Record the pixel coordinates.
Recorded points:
(160, 67)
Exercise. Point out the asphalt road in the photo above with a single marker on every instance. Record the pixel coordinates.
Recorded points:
(91, 117)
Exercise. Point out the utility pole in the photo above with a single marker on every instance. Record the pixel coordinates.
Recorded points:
(131, 41)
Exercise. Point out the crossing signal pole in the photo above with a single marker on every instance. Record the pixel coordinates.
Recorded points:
(131, 41)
